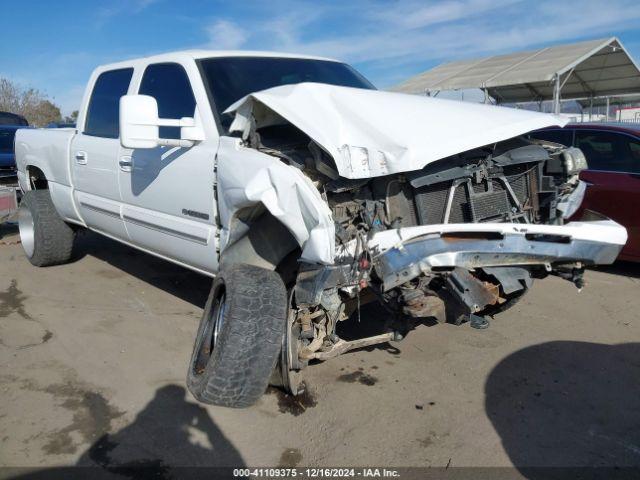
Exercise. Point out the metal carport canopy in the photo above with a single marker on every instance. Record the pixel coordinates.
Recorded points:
(595, 68)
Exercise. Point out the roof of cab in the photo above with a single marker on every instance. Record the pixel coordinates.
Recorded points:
(200, 54)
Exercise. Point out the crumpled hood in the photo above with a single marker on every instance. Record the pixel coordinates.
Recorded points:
(400, 132)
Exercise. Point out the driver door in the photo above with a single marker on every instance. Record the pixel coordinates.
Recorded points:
(168, 192)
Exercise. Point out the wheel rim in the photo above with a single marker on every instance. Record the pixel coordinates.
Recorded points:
(26, 227)
(209, 340)
(291, 377)
(219, 320)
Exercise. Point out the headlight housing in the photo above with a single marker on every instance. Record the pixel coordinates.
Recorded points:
(365, 162)
(574, 160)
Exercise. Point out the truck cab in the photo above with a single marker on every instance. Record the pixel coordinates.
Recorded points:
(305, 192)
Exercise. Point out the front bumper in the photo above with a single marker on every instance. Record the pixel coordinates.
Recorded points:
(401, 255)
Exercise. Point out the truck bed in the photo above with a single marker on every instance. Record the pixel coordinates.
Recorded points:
(48, 148)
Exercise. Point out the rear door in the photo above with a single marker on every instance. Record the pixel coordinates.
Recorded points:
(168, 192)
(94, 155)
(614, 180)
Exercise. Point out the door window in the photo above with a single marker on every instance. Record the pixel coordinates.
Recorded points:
(169, 85)
(609, 151)
(104, 107)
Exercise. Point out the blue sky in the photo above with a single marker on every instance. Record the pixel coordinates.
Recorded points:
(54, 45)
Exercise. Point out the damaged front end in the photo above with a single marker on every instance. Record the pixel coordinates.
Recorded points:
(455, 237)
(455, 243)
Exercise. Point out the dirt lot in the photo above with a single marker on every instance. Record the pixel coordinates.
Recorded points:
(93, 358)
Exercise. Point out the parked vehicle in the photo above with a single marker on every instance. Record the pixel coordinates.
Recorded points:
(306, 193)
(61, 125)
(613, 175)
(8, 118)
(7, 155)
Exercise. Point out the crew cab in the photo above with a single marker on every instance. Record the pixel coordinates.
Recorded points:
(305, 192)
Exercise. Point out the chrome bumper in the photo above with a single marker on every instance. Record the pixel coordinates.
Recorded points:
(493, 245)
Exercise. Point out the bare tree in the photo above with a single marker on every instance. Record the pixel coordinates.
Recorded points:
(30, 103)
(73, 118)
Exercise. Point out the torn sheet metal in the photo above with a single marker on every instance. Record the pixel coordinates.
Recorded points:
(372, 133)
(248, 177)
(569, 204)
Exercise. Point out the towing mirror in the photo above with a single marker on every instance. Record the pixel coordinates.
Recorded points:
(139, 124)
(138, 121)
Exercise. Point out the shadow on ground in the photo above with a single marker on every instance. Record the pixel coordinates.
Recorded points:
(627, 269)
(181, 282)
(565, 403)
(373, 320)
(167, 436)
(9, 232)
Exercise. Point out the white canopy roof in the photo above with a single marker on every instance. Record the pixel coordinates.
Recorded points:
(594, 68)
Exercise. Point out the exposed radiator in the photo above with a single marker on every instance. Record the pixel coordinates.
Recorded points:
(477, 201)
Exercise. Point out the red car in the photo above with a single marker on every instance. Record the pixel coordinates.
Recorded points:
(613, 176)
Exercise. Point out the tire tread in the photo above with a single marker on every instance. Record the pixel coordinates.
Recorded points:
(250, 341)
(53, 237)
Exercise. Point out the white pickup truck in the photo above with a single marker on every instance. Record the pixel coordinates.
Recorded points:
(305, 192)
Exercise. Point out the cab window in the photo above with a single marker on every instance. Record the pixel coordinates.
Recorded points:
(104, 106)
(609, 151)
(169, 84)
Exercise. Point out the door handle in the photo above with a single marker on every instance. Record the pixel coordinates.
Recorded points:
(126, 163)
(81, 157)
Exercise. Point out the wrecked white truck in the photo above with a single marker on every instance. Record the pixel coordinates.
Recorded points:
(307, 193)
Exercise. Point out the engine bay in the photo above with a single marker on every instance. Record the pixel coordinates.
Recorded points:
(515, 182)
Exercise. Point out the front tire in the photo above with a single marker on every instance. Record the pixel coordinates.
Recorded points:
(46, 238)
(239, 337)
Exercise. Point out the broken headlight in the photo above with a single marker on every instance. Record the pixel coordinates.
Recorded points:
(574, 160)
(364, 162)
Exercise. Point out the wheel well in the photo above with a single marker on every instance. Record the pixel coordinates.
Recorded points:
(37, 178)
(260, 239)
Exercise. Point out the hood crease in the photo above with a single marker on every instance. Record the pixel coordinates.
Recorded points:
(400, 132)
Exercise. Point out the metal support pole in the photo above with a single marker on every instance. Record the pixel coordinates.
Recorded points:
(590, 107)
(556, 96)
(606, 115)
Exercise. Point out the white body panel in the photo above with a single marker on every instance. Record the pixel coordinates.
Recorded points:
(48, 149)
(94, 170)
(401, 132)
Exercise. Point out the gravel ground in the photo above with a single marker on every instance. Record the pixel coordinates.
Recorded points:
(93, 358)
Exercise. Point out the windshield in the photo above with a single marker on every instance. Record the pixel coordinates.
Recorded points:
(231, 78)
(6, 139)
